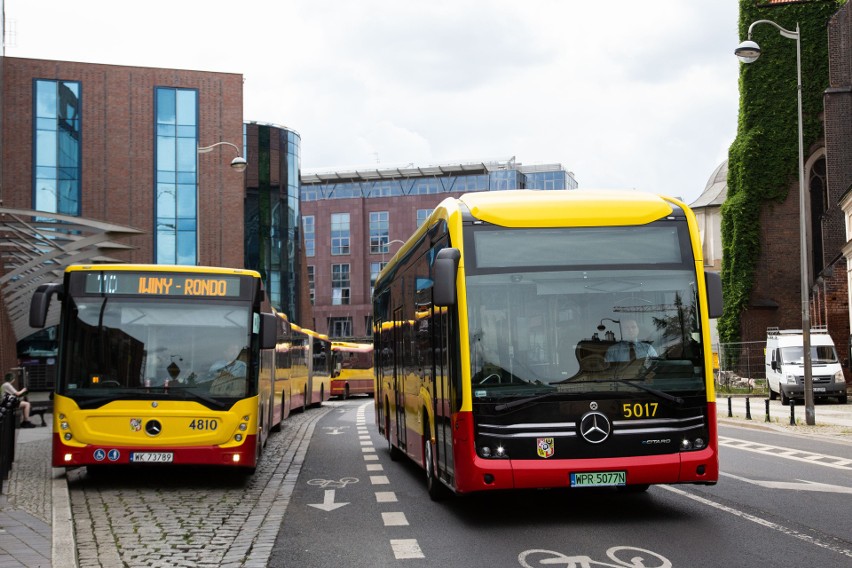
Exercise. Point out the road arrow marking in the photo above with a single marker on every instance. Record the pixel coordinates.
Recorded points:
(335, 430)
(799, 485)
(328, 503)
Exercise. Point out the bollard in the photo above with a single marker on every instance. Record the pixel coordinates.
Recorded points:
(767, 409)
(792, 412)
(748, 408)
(730, 411)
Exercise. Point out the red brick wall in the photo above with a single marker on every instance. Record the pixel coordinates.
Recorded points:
(402, 215)
(118, 152)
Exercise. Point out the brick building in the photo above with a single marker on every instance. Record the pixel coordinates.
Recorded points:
(354, 221)
(118, 145)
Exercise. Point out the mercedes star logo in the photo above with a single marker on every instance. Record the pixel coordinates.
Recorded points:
(595, 427)
(153, 427)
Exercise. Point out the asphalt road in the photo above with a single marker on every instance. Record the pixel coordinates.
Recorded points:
(781, 502)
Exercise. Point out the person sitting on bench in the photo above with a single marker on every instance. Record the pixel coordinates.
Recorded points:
(9, 388)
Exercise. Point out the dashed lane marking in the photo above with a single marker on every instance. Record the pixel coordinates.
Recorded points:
(385, 497)
(406, 548)
(395, 519)
(835, 462)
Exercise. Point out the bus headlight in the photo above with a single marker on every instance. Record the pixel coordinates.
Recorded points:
(67, 435)
(488, 452)
(63, 425)
(243, 426)
(238, 437)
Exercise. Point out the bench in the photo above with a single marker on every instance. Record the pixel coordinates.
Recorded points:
(40, 408)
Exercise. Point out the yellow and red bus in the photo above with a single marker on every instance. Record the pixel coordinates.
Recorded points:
(353, 369)
(504, 329)
(161, 364)
(311, 367)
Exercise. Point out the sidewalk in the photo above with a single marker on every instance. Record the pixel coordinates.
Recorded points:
(36, 527)
(35, 510)
(831, 420)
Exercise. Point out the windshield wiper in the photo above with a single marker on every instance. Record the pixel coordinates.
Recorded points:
(521, 401)
(646, 388)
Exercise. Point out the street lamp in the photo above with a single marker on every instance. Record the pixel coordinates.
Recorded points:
(238, 163)
(748, 52)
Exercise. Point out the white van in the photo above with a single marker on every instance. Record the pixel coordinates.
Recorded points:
(785, 372)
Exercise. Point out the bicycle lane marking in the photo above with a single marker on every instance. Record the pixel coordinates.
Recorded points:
(403, 549)
(759, 520)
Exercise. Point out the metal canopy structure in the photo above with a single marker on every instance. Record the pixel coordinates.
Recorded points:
(35, 248)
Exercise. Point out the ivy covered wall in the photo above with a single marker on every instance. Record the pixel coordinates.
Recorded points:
(763, 163)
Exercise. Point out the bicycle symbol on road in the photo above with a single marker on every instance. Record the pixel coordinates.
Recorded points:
(638, 557)
(333, 484)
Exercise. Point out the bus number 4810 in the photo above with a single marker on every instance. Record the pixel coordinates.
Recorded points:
(203, 424)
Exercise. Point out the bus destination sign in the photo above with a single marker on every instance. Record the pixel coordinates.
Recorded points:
(160, 284)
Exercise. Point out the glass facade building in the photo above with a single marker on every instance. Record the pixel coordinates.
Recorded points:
(272, 231)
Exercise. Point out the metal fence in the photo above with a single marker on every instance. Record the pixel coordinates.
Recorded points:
(742, 365)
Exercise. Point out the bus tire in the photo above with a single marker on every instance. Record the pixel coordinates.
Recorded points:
(436, 489)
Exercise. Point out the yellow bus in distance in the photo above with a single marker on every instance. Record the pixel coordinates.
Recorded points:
(353, 369)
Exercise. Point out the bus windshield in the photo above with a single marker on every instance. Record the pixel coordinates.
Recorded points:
(587, 320)
(181, 349)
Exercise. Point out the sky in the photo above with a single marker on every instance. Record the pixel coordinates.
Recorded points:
(624, 93)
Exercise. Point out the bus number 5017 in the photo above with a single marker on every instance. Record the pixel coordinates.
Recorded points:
(203, 424)
(639, 410)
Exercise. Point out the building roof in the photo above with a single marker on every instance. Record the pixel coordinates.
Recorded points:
(716, 190)
(412, 171)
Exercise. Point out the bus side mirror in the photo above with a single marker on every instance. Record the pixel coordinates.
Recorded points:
(444, 272)
(715, 304)
(268, 331)
(40, 303)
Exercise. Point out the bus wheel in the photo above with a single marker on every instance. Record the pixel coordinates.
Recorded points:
(434, 487)
(346, 391)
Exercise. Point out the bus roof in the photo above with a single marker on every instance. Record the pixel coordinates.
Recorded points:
(161, 268)
(560, 208)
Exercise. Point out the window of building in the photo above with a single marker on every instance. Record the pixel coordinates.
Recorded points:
(422, 215)
(176, 183)
(340, 327)
(339, 284)
(340, 233)
(309, 228)
(57, 153)
(311, 282)
(379, 225)
(375, 268)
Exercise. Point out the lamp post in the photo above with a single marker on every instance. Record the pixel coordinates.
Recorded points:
(238, 164)
(748, 52)
(386, 246)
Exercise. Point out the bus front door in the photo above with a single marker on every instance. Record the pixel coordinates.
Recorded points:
(398, 378)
